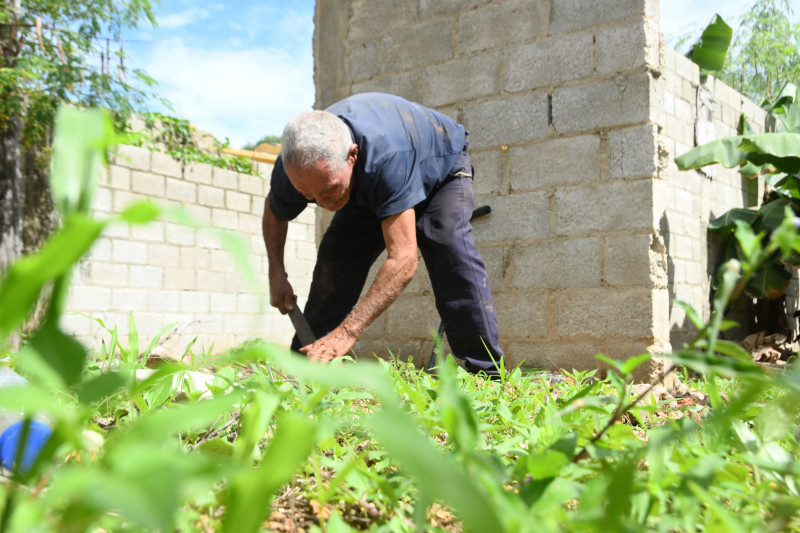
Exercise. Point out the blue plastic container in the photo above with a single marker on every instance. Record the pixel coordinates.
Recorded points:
(12, 427)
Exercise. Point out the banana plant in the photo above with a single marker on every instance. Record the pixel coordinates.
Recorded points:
(774, 157)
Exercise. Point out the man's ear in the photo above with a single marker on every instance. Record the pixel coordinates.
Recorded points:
(352, 155)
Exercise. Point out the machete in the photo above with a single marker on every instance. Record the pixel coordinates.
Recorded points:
(304, 333)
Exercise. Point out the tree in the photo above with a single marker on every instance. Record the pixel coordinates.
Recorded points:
(766, 51)
(54, 51)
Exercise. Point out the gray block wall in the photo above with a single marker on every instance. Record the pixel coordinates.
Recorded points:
(575, 110)
(165, 273)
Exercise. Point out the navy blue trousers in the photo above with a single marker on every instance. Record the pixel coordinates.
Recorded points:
(354, 241)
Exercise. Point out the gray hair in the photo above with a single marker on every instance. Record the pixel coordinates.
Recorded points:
(313, 136)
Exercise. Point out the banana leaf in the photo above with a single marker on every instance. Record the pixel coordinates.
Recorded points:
(710, 51)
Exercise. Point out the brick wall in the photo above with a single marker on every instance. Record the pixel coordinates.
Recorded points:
(575, 111)
(165, 272)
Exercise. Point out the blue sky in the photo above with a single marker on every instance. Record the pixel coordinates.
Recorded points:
(241, 69)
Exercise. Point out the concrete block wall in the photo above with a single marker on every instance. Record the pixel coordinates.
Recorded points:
(575, 110)
(558, 99)
(165, 273)
(689, 200)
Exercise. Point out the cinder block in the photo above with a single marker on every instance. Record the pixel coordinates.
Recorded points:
(147, 184)
(250, 224)
(85, 298)
(209, 281)
(433, 8)
(176, 234)
(555, 162)
(496, 264)
(488, 167)
(108, 274)
(549, 62)
(416, 45)
(197, 173)
(515, 218)
(249, 303)
(570, 15)
(199, 214)
(163, 301)
(133, 157)
(179, 279)
(222, 218)
(235, 283)
(222, 302)
(122, 199)
(369, 17)
(405, 84)
(461, 80)
(151, 232)
(633, 152)
(224, 178)
(578, 264)
(129, 252)
(119, 177)
(254, 185)
(365, 59)
(501, 25)
(128, 300)
(623, 100)
(101, 250)
(151, 277)
(181, 190)
(221, 261)
(163, 255)
(635, 260)
(166, 165)
(508, 121)
(622, 47)
(149, 325)
(194, 302)
(76, 325)
(605, 313)
(195, 258)
(102, 201)
(412, 317)
(521, 315)
(238, 201)
(615, 206)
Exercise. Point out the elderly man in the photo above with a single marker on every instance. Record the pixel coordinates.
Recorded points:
(398, 177)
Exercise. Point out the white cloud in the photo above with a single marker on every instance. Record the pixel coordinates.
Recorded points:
(240, 94)
(183, 18)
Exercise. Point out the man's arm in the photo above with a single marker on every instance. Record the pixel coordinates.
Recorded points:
(274, 231)
(400, 235)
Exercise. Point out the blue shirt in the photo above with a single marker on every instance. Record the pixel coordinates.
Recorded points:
(405, 151)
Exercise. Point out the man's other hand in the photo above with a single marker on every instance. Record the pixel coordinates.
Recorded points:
(281, 293)
(335, 344)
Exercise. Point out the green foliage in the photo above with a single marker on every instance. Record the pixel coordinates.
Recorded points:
(67, 50)
(775, 157)
(277, 442)
(274, 139)
(176, 137)
(710, 51)
(766, 51)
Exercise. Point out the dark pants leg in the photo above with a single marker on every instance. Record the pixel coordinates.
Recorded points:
(350, 246)
(458, 275)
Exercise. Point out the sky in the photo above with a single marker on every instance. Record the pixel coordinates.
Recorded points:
(240, 69)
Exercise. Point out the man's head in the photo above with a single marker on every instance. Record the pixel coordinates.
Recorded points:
(318, 155)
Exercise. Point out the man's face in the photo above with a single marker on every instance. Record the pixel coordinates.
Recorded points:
(329, 189)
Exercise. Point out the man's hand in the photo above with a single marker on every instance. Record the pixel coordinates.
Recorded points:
(335, 344)
(281, 293)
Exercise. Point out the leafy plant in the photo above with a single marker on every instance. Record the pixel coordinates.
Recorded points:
(176, 137)
(770, 156)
